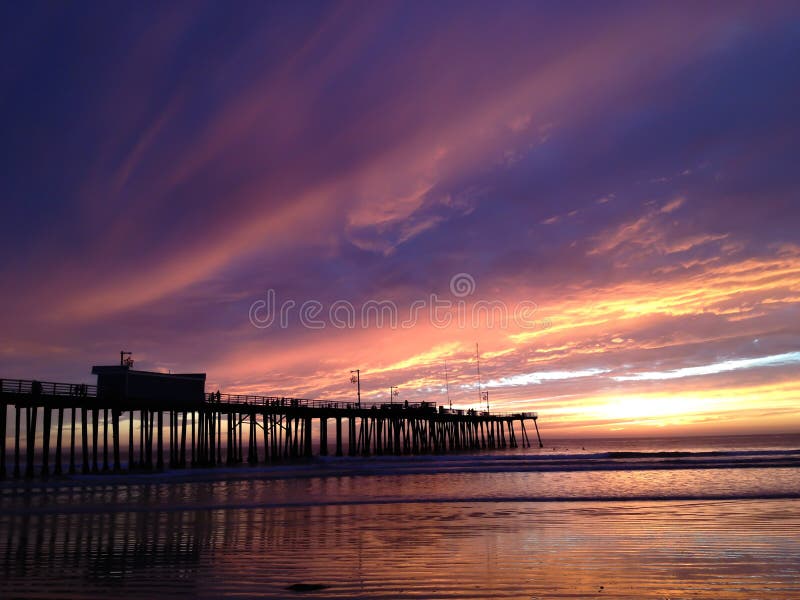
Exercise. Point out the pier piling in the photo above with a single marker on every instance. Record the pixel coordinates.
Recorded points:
(59, 433)
(16, 440)
(3, 411)
(85, 439)
(46, 426)
(30, 417)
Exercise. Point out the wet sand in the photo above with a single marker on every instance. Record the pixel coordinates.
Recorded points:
(664, 549)
(712, 523)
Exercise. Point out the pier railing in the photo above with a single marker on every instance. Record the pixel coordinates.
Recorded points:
(80, 390)
(277, 401)
(47, 388)
(288, 402)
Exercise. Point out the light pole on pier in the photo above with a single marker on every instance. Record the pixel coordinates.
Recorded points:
(357, 380)
(393, 392)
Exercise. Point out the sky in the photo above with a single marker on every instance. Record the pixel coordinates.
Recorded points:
(602, 195)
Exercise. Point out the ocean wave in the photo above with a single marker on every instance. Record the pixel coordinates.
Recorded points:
(400, 466)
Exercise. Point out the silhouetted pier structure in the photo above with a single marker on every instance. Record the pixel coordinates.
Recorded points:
(151, 420)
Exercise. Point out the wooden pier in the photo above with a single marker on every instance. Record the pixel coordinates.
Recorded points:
(61, 428)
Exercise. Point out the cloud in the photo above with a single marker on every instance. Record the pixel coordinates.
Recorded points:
(651, 234)
(673, 205)
(787, 358)
(540, 376)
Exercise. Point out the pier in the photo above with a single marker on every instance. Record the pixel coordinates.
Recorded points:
(141, 421)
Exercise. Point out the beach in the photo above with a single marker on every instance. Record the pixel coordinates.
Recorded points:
(698, 518)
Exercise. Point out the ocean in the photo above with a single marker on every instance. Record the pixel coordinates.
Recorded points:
(617, 518)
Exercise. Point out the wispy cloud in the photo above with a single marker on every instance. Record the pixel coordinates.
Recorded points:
(725, 366)
(539, 377)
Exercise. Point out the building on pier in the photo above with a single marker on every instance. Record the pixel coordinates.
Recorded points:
(123, 384)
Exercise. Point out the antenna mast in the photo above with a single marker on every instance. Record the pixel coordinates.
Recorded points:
(482, 396)
(478, 362)
(447, 385)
